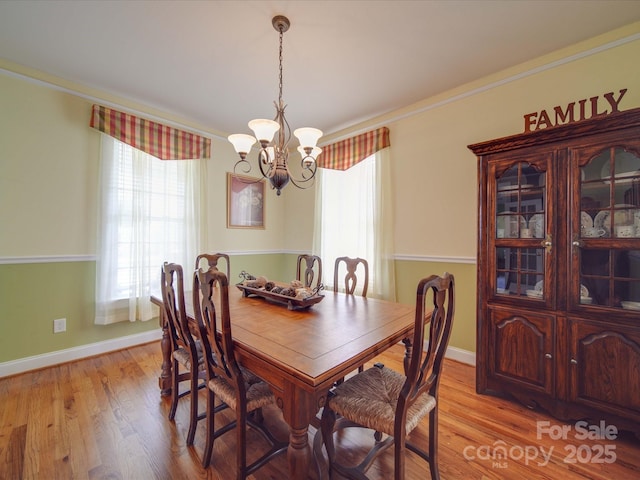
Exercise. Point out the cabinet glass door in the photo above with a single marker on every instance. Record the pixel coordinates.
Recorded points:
(606, 234)
(520, 271)
(519, 227)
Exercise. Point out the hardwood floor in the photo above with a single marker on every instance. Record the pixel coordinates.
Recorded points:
(103, 418)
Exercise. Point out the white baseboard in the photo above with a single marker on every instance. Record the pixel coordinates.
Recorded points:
(35, 362)
(460, 355)
(67, 355)
(455, 353)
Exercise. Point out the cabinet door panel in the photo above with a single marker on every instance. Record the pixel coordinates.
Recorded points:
(605, 225)
(605, 366)
(521, 348)
(521, 236)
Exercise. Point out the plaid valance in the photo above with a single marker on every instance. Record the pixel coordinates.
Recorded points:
(162, 141)
(345, 154)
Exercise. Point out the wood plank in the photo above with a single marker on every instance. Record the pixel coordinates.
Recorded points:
(103, 417)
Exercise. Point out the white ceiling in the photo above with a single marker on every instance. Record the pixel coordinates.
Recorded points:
(216, 62)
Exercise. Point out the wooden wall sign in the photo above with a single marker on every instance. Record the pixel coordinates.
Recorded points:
(574, 112)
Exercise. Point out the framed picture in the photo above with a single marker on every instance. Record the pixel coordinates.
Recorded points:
(245, 201)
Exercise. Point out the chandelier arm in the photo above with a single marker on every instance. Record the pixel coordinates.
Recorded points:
(309, 163)
(261, 162)
(298, 182)
(247, 169)
(304, 173)
(302, 183)
(287, 138)
(284, 133)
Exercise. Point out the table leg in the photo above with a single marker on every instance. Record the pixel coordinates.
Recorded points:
(408, 348)
(298, 408)
(164, 381)
(299, 453)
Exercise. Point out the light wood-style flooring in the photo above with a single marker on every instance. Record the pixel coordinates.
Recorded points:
(103, 418)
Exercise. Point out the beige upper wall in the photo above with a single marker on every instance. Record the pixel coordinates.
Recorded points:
(49, 167)
(223, 239)
(48, 172)
(434, 172)
(49, 162)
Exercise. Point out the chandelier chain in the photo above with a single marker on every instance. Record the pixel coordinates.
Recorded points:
(280, 76)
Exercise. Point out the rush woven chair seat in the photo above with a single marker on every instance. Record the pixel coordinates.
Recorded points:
(186, 351)
(391, 403)
(370, 400)
(257, 391)
(239, 389)
(184, 357)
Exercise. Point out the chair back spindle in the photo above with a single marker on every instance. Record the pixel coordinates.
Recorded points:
(311, 276)
(172, 284)
(211, 307)
(351, 278)
(212, 261)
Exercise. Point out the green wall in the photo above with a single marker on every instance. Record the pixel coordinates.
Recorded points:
(272, 266)
(34, 294)
(409, 273)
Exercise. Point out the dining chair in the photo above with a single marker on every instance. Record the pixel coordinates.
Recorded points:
(212, 261)
(311, 276)
(186, 352)
(386, 401)
(351, 266)
(237, 387)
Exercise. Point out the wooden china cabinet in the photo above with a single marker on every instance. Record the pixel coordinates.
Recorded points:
(558, 314)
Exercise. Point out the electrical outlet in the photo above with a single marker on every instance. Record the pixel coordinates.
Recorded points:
(60, 325)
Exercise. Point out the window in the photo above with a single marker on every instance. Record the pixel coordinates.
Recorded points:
(150, 211)
(353, 218)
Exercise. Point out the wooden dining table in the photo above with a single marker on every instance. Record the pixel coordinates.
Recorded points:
(302, 353)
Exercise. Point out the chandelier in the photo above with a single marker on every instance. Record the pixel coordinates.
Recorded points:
(274, 153)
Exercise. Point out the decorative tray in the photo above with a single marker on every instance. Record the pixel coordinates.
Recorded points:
(292, 303)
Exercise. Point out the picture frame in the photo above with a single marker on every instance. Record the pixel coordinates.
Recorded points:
(245, 201)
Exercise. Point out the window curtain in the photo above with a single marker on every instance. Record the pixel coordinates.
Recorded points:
(161, 141)
(347, 153)
(149, 211)
(354, 208)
